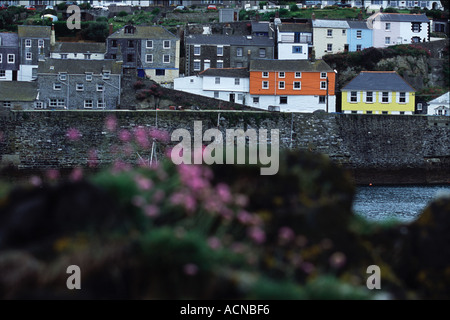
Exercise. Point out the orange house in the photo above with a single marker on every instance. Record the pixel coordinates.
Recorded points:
(293, 85)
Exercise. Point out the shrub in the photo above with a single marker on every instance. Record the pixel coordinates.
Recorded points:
(122, 14)
(156, 11)
(138, 85)
(294, 7)
(101, 19)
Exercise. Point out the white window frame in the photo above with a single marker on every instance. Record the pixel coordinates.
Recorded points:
(63, 56)
(221, 49)
(281, 74)
(366, 97)
(262, 50)
(281, 85)
(239, 52)
(100, 87)
(387, 40)
(219, 62)
(28, 43)
(358, 34)
(322, 75)
(300, 85)
(147, 46)
(164, 58)
(28, 56)
(106, 75)
(329, 47)
(216, 94)
(387, 26)
(323, 85)
(86, 103)
(57, 86)
(381, 97)
(39, 105)
(13, 58)
(63, 76)
(255, 99)
(419, 107)
(217, 80)
(164, 44)
(199, 50)
(298, 75)
(2, 73)
(265, 87)
(240, 96)
(87, 56)
(101, 104)
(7, 104)
(89, 76)
(351, 97)
(406, 97)
(237, 81)
(1, 58)
(329, 33)
(199, 65)
(147, 56)
(265, 74)
(79, 86)
(358, 47)
(41, 43)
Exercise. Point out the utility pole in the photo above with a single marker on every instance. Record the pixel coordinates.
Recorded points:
(327, 93)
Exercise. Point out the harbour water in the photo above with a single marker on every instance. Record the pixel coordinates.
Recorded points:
(404, 203)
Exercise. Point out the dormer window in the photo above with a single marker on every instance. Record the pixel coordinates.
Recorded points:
(114, 43)
(129, 30)
(106, 75)
(62, 76)
(89, 76)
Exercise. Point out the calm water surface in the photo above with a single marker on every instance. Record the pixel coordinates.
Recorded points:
(403, 203)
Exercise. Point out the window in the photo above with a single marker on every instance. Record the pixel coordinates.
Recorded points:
(192, 80)
(384, 112)
(415, 39)
(113, 56)
(419, 107)
(297, 49)
(100, 104)
(298, 74)
(1, 57)
(39, 105)
(197, 65)
(353, 96)
(237, 81)
(323, 85)
(114, 43)
(40, 43)
(87, 56)
(354, 112)
(402, 112)
(88, 104)
(80, 86)
(7, 104)
(216, 94)
(402, 98)
(197, 50)
(29, 56)
(62, 76)
(100, 87)
(415, 27)
(130, 43)
(166, 58)
(56, 103)
(281, 74)
(323, 75)
(283, 100)
(166, 44)
(63, 55)
(28, 43)
(160, 72)
(281, 85)
(297, 85)
(329, 47)
(329, 32)
(385, 97)
(262, 53)
(297, 36)
(265, 74)
(219, 64)
(358, 34)
(57, 86)
(239, 65)
(255, 99)
(219, 50)
(11, 58)
(130, 57)
(2, 74)
(149, 58)
(239, 52)
(149, 44)
(358, 47)
(240, 97)
(369, 112)
(321, 99)
(387, 40)
(217, 80)
(89, 76)
(369, 96)
(265, 84)
(387, 26)
(106, 75)
(344, 32)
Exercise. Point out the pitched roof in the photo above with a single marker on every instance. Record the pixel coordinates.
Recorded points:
(79, 47)
(377, 81)
(78, 66)
(289, 65)
(34, 31)
(9, 39)
(260, 26)
(358, 24)
(319, 23)
(9, 92)
(229, 40)
(445, 98)
(144, 32)
(226, 72)
(295, 27)
(401, 17)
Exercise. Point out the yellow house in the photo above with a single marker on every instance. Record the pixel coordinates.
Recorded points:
(378, 92)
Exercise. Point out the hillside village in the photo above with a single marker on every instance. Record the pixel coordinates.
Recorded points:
(282, 63)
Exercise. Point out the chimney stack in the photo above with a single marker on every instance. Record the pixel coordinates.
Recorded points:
(53, 36)
(313, 16)
(360, 15)
(110, 29)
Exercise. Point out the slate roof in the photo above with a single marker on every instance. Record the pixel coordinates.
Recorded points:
(401, 17)
(229, 40)
(445, 98)
(260, 26)
(79, 47)
(9, 91)
(34, 31)
(145, 32)
(226, 72)
(289, 65)
(295, 27)
(378, 81)
(319, 23)
(9, 39)
(78, 66)
(358, 24)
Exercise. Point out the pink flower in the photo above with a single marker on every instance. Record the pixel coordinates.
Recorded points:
(141, 138)
(111, 123)
(125, 135)
(185, 200)
(214, 243)
(92, 158)
(120, 166)
(159, 135)
(285, 234)
(244, 217)
(257, 235)
(226, 213)
(151, 211)
(190, 269)
(224, 192)
(52, 174)
(143, 183)
(76, 175)
(35, 181)
(338, 260)
(241, 200)
(73, 134)
(159, 196)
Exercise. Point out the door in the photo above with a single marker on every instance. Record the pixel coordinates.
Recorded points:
(232, 97)
(14, 75)
(346, 48)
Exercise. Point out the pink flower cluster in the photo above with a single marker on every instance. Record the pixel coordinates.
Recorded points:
(73, 134)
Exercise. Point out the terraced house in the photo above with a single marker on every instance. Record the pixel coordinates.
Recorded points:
(329, 36)
(378, 92)
(152, 51)
(9, 56)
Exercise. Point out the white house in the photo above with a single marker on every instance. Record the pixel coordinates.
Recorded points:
(329, 36)
(394, 28)
(440, 106)
(78, 50)
(294, 41)
(227, 84)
